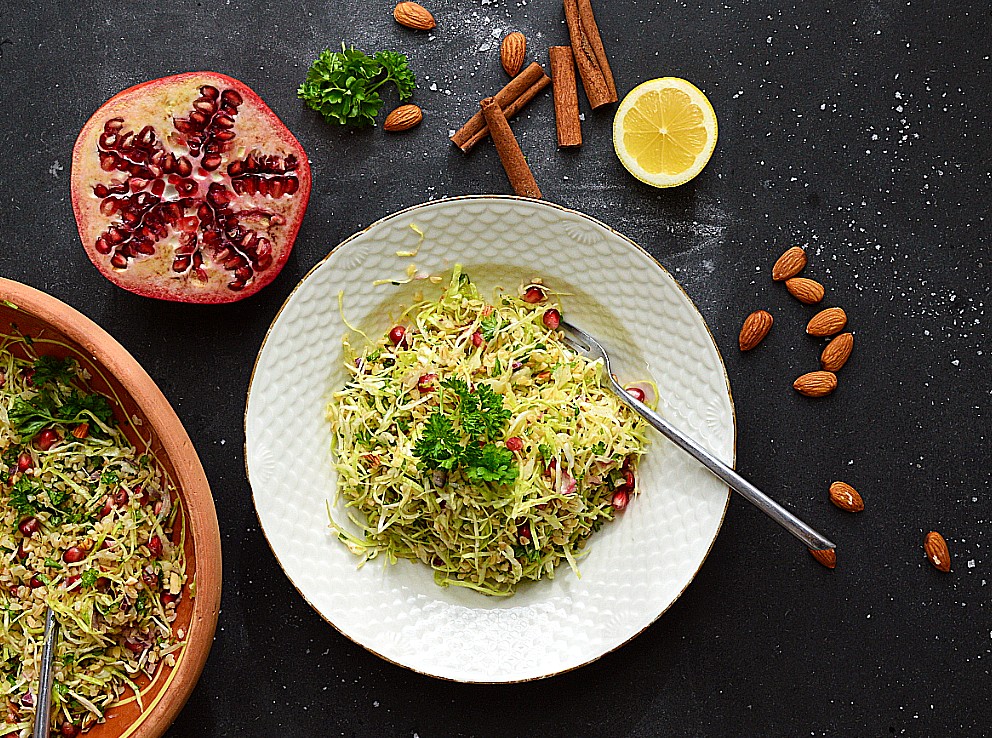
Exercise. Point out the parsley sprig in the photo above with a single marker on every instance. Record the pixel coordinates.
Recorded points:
(343, 85)
(468, 438)
(57, 403)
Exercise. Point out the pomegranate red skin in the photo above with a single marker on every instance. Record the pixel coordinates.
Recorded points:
(258, 128)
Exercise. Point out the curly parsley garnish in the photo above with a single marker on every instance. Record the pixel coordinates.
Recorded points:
(471, 445)
(343, 85)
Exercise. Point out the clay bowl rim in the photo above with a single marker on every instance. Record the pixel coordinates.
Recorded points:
(190, 478)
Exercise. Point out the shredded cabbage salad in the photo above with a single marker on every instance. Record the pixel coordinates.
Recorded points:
(472, 439)
(87, 529)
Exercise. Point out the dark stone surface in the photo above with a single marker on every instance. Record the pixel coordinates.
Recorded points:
(858, 130)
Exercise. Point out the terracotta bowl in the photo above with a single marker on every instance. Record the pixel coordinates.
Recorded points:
(59, 330)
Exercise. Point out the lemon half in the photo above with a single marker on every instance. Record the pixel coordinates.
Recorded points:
(665, 131)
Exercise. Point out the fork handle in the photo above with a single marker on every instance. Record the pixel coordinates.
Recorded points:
(739, 484)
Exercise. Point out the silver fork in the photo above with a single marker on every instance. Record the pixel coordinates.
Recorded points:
(43, 702)
(580, 341)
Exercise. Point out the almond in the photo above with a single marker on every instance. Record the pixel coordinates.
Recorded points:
(936, 548)
(827, 322)
(403, 118)
(789, 264)
(816, 384)
(837, 352)
(755, 328)
(846, 497)
(826, 556)
(413, 16)
(807, 291)
(512, 52)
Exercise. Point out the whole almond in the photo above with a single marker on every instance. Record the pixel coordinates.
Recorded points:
(827, 322)
(807, 291)
(837, 352)
(936, 550)
(816, 384)
(403, 118)
(846, 497)
(755, 328)
(413, 16)
(826, 556)
(789, 264)
(512, 52)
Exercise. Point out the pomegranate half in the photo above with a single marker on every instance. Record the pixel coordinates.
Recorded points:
(189, 188)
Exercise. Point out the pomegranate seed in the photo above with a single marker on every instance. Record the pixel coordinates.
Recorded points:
(637, 393)
(120, 497)
(426, 382)
(35, 583)
(232, 98)
(397, 335)
(47, 438)
(81, 431)
(150, 579)
(168, 598)
(477, 339)
(29, 526)
(73, 555)
(72, 581)
(102, 583)
(155, 546)
(68, 730)
(620, 500)
(551, 319)
(628, 480)
(534, 295)
(515, 443)
(523, 532)
(108, 506)
(134, 646)
(158, 508)
(24, 461)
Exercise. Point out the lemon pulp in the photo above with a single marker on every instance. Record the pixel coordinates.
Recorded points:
(665, 131)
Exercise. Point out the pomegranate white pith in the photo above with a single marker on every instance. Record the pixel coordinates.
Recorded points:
(189, 188)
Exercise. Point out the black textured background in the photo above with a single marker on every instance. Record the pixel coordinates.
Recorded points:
(858, 130)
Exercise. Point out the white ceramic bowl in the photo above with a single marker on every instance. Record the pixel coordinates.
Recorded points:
(636, 566)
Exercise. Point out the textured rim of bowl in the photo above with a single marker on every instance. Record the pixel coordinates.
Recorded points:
(545, 203)
(191, 479)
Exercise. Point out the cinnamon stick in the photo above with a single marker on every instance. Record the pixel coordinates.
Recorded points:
(512, 98)
(508, 149)
(590, 56)
(566, 96)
